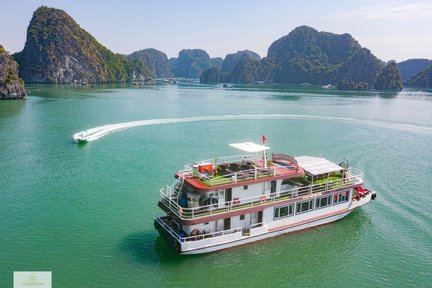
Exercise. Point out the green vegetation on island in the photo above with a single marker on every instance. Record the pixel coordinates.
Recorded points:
(308, 56)
(246, 64)
(411, 67)
(216, 62)
(155, 60)
(191, 63)
(11, 86)
(423, 79)
(352, 85)
(389, 78)
(305, 56)
(231, 60)
(58, 50)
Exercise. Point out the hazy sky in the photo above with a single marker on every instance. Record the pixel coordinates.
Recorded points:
(398, 29)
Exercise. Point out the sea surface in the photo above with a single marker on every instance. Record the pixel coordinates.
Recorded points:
(85, 211)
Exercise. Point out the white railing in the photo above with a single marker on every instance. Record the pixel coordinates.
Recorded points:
(179, 238)
(249, 174)
(256, 225)
(354, 176)
(223, 160)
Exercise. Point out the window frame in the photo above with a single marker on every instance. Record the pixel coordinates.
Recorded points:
(320, 198)
(305, 211)
(336, 197)
(278, 208)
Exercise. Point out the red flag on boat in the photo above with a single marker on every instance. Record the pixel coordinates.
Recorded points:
(264, 139)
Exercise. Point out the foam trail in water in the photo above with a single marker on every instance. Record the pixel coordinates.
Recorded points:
(101, 131)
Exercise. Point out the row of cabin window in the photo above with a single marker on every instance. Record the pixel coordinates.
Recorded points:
(305, 206)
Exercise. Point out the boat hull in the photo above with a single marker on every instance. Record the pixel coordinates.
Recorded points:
(238, 238)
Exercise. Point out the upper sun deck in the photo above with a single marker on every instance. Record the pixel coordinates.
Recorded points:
(224, 172)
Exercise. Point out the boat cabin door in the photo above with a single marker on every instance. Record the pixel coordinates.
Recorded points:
(227, 223)
(228, 194)
(273, 189)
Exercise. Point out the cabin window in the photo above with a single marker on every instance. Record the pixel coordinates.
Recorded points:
(283, 211)
(340, 197)
(245, 187)
(304, 206)
(242, 217)
(323, 202)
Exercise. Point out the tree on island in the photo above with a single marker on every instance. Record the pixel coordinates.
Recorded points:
(352, 85)
(389, 78)
(11, 86)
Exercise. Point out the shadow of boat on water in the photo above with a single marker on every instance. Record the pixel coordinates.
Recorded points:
(148, 248)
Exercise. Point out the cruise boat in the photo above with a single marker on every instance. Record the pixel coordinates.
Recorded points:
(224, 202)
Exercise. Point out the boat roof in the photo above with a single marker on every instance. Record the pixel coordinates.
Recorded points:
(317, 165)
(250, 147)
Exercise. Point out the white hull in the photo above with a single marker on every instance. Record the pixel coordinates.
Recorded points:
(237, 238)
(241, 240)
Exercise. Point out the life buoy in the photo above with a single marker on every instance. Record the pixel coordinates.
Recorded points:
(195, 232)
(263, 198)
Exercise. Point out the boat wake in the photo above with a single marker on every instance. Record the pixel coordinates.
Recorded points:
(101, 131)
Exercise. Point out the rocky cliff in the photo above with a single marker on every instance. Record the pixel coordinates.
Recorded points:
(191, 63)
(241, 67)
(231, 60)
(58, 50)
(389, 78)
(11, 86)
(411, 67)
(155, 60)
(423, 79)
(216, 62)
(306, 55)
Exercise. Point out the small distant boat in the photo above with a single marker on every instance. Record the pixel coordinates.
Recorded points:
(328, 86)
(81, 136)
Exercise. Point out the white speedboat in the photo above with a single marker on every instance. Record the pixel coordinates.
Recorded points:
(81, 136)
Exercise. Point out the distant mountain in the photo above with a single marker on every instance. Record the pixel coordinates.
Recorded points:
(247, 70)
(58, 50)
(410, 67)
(306, 55)
(389, 78)
(231, 60)
(216, 62)
(155, 60)
(213, 75)
(11, 86)
(423, 79)
(191, 63)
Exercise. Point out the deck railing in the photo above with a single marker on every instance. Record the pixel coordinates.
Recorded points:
(224, 160)
(234, 177)
(180, 238)
(354, 176)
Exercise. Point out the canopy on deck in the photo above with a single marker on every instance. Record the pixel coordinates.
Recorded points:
(250, 147)
(316, 165)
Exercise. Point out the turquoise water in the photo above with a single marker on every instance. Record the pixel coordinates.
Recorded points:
(85, 212)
